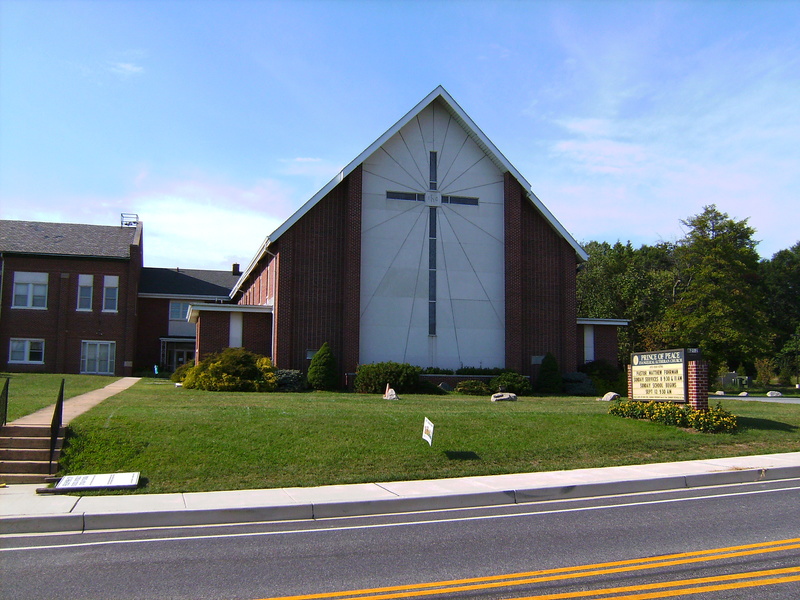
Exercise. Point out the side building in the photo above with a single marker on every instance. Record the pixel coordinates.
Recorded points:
(166, 339)
(68, 297)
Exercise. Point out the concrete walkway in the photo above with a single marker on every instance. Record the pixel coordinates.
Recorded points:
(22, 510)
(78, 405)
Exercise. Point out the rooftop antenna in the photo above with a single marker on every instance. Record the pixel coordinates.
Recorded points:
(129, 220)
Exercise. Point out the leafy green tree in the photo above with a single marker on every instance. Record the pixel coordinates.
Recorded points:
(719, 301)
(323, 372)
(625, 283)
(781, 277)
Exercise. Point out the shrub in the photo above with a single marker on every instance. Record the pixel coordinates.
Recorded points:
(473, 387)
(372, 378)
(513, 383)
(713, 420)
(436, 371)
(765, 369)
(232, 370)
(579, 384)
(323, 372)
(180, 373)
(549, 380)
(428, 387)
(479, 371)
(606, 377)
(289, 380)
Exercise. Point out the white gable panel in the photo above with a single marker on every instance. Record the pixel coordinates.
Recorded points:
(468, 250)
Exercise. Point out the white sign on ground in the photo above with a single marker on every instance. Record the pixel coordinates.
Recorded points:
(103, 481)
(427, 431)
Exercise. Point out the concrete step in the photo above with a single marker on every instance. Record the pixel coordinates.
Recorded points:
(33, 467)
(12, 478)
(28, 442)
(32, 431)
(25, 454)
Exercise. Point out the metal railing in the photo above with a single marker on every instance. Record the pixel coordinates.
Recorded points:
(55, 425)
(4, 403)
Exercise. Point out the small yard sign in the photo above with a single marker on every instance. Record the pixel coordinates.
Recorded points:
(108, 481)
(427, 431)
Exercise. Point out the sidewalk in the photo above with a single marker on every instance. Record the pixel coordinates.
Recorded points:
(23, 511)
(77, 405)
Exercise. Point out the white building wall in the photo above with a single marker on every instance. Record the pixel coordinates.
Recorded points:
(470, 315)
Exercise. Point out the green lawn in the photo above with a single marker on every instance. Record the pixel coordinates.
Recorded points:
(189, 440)
(28, 392)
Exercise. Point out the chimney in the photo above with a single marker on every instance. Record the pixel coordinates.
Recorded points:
(235, 270)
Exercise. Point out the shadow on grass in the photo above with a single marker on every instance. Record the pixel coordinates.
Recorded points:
(764, 425)
(461, 455)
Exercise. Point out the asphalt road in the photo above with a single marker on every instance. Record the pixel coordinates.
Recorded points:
(728, 542)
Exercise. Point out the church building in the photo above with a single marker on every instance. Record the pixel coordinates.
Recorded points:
(429, 248)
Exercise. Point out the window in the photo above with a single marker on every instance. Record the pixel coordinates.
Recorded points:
(85, 287)
(26, 351)
(98, 357)
(110, 293)
(178, 311)
(30, 290)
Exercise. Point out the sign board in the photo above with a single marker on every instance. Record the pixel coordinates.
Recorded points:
(661, 375)
(108, 481)
(427, 431)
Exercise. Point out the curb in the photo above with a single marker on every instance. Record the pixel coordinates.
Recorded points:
(84, 522)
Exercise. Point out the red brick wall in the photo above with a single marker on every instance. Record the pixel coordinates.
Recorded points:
(541, 310)
(318, 274)
(257, 333)
(61, 325)
(697, 387)
(153, 324)
(606, 343)
(213, 334)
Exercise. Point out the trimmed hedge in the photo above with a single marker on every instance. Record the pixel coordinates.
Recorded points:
(473, 387)
(513, 383)
(401, 377)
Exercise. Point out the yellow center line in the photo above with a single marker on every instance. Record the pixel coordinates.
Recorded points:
(677, 583)
(494, 581)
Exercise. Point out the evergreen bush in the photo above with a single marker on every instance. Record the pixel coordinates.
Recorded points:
(290, 380)
(578, 384)
(549, 380)
(233, 370)
(473, 387)
(372, 378)
(512, 382)
(323, 372)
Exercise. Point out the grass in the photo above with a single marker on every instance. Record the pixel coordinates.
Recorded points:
(29, 392)
(188, 440)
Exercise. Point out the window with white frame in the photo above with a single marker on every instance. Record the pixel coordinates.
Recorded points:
(178, 311)
(26, 351)
(85, 288)
(98, 358)
(110, 293)
(30, 290)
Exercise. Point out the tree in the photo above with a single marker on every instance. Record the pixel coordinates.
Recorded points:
(781, 277)
(549, 380)
(719, 296)
(624, 283)
(322, 372)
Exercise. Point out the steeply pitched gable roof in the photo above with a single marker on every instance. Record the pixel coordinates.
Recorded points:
(186, 282)
(472, 130)
(67, 239)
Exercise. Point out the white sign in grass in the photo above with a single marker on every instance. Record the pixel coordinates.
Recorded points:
(105, 481)
(427, 431)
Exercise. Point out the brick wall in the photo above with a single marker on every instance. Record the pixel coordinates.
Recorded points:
(213, 334)
(62, 327)
(153, 324)
(541, 309)
(257, 333)
(697, 372)
(318, 293)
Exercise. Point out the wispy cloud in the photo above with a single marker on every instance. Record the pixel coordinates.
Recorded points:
(125, 69)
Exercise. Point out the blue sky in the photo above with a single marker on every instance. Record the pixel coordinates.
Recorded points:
(215, 121)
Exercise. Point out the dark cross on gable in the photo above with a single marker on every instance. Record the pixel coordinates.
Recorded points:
(433, 198)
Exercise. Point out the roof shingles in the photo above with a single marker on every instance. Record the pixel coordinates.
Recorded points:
(66, 239)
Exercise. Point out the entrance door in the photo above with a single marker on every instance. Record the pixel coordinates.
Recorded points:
(98, 358)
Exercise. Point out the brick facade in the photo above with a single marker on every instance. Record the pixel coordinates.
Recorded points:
(541, 309)
(213, 334)
(62, 327)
